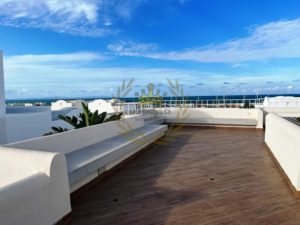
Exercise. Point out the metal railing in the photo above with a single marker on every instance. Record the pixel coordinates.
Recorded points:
(139, 108)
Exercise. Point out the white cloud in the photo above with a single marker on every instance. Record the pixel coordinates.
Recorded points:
(131, 48)
(276, 40)
(77, 57)
(77, 17)
(85, 74)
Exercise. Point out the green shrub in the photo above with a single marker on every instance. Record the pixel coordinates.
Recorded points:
(85, 119)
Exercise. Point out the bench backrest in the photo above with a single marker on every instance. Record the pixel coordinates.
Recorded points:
(76, 139)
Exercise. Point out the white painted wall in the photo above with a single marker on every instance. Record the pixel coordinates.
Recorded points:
(62, 124)
(76, 139)
(22, 126)
(22, 123)
(34, 187)
(284, 112)
(282, 102)
(283, 139)
(217, 113)
(2, 91)
(78, 103)
(3, 137)
(56, 122)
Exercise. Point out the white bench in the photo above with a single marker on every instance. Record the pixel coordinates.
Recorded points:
(214, 122)
(92, 150)
(104, 155)
(227, 117)
(37, 175)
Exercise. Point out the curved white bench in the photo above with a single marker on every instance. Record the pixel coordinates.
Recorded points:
(104, 155)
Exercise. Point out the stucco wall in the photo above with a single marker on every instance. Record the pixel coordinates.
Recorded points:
(217, 113)
(2, 130)
(34, 187)
(284, 112)
(23, 126)
(283, 139)
(2, 92)
(75, 139)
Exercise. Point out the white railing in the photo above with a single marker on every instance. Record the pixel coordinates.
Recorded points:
(140, 108)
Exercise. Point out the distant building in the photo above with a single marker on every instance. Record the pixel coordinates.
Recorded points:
(102, 106)
(60, 104)
(281, 102)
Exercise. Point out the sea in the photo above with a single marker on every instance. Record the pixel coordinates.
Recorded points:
(47, 101)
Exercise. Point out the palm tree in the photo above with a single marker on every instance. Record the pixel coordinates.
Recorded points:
(85, 119)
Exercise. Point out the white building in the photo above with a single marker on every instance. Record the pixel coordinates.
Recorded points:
(60, 104)
(20, 123)
(281, 102)
(102, 106)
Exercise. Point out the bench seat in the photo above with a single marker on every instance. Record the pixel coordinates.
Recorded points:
(213, 121)
(104, 155)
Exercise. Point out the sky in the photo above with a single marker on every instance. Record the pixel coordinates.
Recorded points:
(86, 48)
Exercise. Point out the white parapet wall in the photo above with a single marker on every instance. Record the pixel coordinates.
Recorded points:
(34, 182)
(2, 91)
(22, 123)
(215, 115)
(76, 139)
(117, 136)
(284, 112)
(283, 139)
(34, 187)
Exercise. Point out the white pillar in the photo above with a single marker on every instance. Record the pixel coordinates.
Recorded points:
(2, 92)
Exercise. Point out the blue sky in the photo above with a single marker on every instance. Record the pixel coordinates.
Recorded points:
(83, 48)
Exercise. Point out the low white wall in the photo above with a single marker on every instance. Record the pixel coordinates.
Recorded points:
(3, 130)
(284, 112)
(217, 113)
(283, 139)
(2, 91)
(22, 126)
(61, 123)
(34, 187)
(76, 139)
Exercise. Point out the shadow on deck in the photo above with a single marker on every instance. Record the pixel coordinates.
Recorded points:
(207, 176)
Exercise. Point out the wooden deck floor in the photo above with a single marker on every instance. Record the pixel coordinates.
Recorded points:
(207, 176)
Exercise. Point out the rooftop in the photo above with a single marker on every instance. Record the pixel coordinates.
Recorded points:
(207, 176)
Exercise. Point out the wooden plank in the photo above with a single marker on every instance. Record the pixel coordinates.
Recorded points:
(206, 177)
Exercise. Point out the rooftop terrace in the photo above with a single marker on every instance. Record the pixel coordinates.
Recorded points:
(207, 176)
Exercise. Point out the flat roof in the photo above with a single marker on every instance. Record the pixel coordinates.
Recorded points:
(205, 176)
